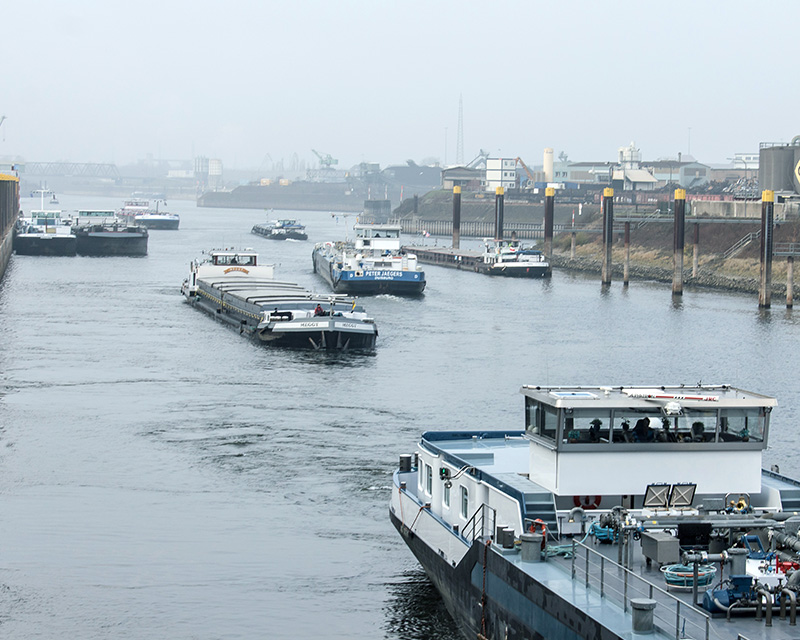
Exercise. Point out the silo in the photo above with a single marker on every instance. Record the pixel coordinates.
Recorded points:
(796, 167)
(776, 167)
(548, 165)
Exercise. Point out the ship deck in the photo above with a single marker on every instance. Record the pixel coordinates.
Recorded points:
(608, 607)
(503, 459)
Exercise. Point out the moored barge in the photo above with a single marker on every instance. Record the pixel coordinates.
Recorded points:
(508, 258)
(102, 233)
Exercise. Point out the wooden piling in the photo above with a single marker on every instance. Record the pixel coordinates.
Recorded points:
(608, 235)
(549, 210)
(767, 219)
(498, 214)
(572, 246)
(696, 247)
(626, 269)
(679, 231)
(789, 282)
(456, 217)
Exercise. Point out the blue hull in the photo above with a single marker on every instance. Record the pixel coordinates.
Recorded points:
(369, 282)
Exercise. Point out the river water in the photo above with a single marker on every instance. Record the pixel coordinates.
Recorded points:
(163, 476)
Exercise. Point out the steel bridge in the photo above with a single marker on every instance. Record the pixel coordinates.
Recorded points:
(81, 169)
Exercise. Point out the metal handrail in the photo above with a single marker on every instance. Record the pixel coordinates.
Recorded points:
(596, 572)
(478, 522)
(741, 244)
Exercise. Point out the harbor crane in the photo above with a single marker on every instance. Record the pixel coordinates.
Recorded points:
(326, 161)
(528, 171)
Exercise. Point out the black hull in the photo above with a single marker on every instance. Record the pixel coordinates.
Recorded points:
(122, 244)
(516, 272)
(291, 235)
(62, 245)
(531, 609)
(316, 340)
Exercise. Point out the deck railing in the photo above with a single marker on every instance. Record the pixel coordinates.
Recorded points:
(671, 616)
(482, 523)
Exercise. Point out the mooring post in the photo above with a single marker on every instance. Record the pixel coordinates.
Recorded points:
(767, 213)
(789, 282)
(696, 255)
(608, 236)
(549, 208)
(679, 231)
(626, 269)
(456, 217)
(498, 214)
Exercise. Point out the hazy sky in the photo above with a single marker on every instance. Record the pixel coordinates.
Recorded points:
(254, 82)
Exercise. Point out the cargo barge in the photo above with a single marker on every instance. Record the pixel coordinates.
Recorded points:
(235, 288)
(45, 233)
(102, 233)
(507, 258)
(373, 264)
(615, 511)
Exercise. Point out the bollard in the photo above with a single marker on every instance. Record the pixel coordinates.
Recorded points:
(679, 231)
(456, 217)
(626, 269)
(508, 538)
(531, 546)
(643, 615)
(765, 284)
(608, 235)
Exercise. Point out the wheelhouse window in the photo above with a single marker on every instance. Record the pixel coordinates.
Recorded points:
(743, 425)
(428, 479)
(541, 420)
(635, 425)
(586, 426)
(464, 502)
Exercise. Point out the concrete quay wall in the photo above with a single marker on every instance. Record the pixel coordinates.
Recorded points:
(9, 211)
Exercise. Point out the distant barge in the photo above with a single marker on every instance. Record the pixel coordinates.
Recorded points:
(499, 258)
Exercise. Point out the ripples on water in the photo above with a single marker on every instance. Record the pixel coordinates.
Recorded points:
(161, 475)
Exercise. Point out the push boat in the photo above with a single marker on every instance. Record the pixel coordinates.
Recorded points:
(512, 259)
(102, 233)
(281, 230)
(375, 263)
(617, 511)
(235, 288)
(44, 233)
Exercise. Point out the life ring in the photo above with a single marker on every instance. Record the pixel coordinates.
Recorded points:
(540, 525)
(587, 502)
